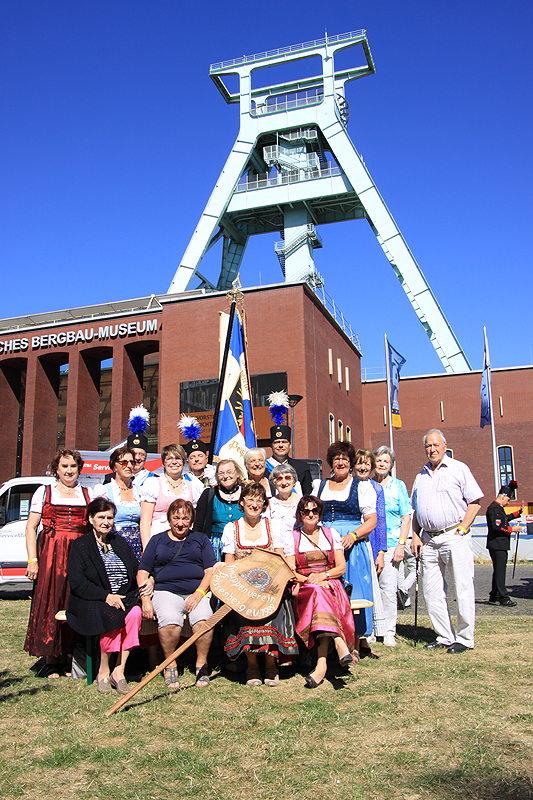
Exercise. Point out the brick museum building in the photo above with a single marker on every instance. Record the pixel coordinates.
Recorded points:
(69, 378)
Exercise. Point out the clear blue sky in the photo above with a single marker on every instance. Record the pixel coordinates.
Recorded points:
(112, 136)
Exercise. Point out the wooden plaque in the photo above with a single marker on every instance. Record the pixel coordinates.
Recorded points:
(252, 586)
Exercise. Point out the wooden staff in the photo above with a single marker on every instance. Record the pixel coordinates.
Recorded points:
(206, 626)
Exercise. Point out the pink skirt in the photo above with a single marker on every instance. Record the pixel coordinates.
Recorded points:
(125, 638)
(324, 611)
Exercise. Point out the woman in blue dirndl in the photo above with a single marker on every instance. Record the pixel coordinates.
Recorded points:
(350, 507)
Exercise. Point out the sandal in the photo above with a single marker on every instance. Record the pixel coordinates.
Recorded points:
(171, 678)
(356, 658)
(253, 677)
(271, 677)
(202, 678)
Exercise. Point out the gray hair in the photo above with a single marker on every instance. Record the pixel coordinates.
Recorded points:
(254, 451)
(224, 461)
(389, 451)
(434, 430)
(282, 469)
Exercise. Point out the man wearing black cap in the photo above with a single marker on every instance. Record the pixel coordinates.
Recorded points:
(499, 533)
(138, 444)
(197, 460)
(280, 439)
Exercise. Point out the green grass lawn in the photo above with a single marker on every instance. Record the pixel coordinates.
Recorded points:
(411, 724)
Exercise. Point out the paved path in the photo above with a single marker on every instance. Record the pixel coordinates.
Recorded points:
(520, 589)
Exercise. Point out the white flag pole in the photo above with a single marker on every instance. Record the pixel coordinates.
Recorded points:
(495, 462)
(389, 414)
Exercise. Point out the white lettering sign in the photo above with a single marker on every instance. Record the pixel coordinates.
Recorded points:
(82, 335)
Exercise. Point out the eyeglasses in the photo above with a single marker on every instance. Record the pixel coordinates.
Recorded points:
(126, 463)
(307, 512)
(226, 474)
(342, 458)
(173, 460)
(250, 500)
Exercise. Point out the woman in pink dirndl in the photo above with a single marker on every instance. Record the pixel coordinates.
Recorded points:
(323, 611)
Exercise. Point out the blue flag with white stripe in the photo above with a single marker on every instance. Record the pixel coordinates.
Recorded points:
(235, 429)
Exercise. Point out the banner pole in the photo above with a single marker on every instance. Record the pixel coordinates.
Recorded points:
(221, 382)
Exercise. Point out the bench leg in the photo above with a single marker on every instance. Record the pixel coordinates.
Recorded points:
(90, 643)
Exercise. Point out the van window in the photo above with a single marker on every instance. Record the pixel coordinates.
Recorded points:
(18, 504)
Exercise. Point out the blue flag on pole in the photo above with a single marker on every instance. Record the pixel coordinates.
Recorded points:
(485, 388)
(235, 429)
(396, 362)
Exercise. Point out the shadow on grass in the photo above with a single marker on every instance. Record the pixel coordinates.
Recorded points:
(424, 636)
(449, 784)
(523, 590)
(8, 681)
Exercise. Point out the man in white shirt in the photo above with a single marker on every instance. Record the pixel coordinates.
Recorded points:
(445, 499)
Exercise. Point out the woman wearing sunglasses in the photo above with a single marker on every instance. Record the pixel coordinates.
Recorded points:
(125, 495)
(316, 553)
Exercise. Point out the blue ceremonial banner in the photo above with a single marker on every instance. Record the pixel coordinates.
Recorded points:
(485, 389)
(235, 428)
(396, 362)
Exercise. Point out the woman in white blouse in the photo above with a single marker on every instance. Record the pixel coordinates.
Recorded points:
(282, 505)
(275, 637)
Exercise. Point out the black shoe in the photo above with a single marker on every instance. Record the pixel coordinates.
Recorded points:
(310, 681)
(435, 645)
(509, 603)
(401, 599)
(493, 602)
(457, 647)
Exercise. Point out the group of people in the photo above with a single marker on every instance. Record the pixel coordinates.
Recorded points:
(132, 560)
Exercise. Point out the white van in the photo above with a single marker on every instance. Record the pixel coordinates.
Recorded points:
(15, 499)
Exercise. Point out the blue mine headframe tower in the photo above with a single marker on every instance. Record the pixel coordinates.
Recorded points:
(294, 167)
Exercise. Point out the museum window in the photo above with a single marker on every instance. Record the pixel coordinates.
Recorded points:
(331, 428)
(506, 464)
(340, 430)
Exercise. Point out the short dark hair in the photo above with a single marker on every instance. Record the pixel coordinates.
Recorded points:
(253, 490)
(184, 505)
(341, 448)
(117, 454)
(309, 498)
(98, 505)
(75, 454)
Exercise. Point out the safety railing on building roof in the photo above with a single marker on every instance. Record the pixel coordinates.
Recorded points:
(334, 310)
(293, 48)
(373, 373)
(262, 181)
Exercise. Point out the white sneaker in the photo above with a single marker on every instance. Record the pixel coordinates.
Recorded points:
(408, 603)
(371, 639)
(389, 640)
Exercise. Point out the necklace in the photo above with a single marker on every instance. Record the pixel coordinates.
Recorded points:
(175, 485)
(70, 490)
(123, 488)
(230, 493)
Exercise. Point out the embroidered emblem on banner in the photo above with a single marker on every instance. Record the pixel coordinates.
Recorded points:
(258, 578)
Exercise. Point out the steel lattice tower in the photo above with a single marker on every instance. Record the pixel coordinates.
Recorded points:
(293, 167)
